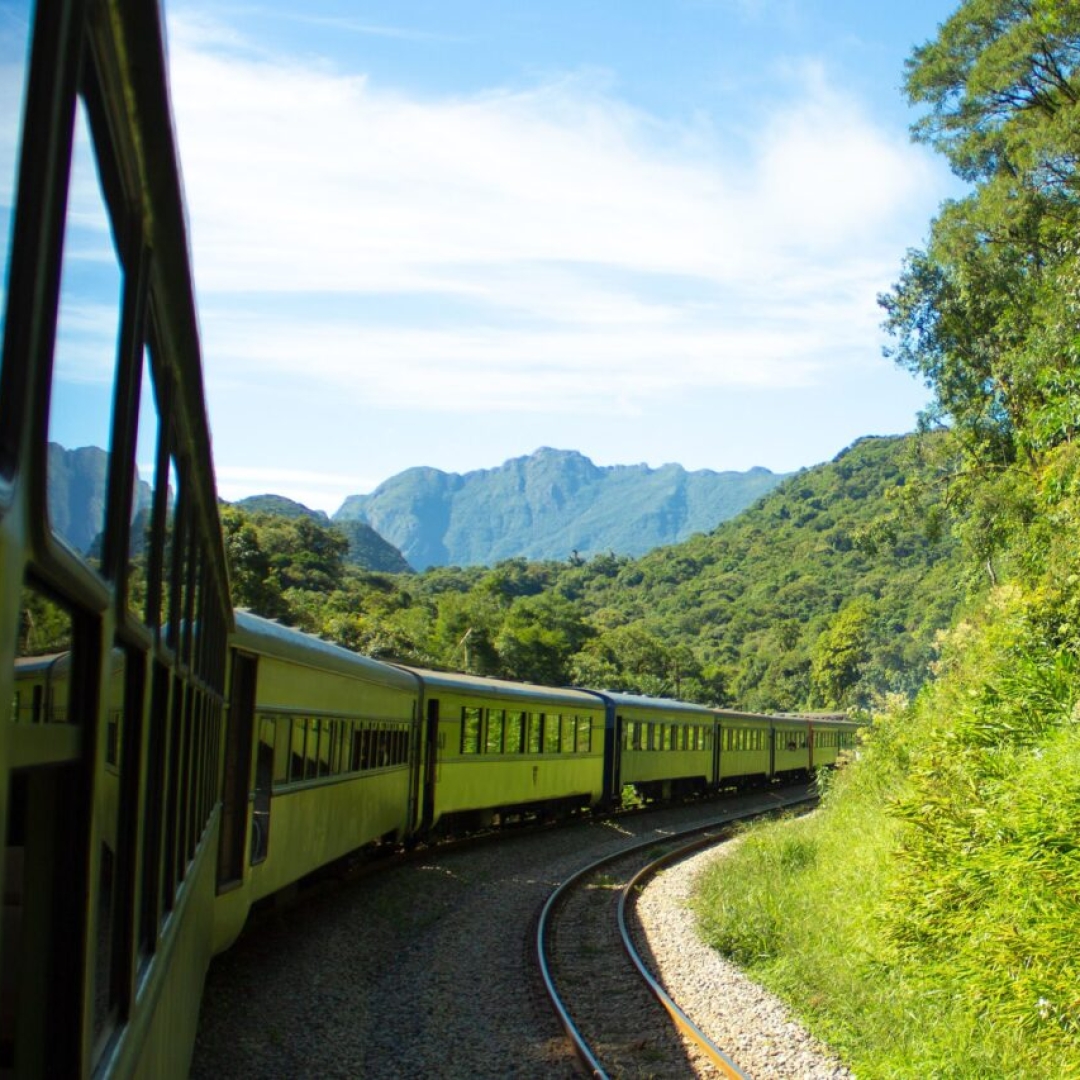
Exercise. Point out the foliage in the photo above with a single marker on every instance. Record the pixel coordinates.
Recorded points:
(733, 617)
(951, 841)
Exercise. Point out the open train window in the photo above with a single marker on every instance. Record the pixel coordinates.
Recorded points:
(495, 731)
(584, 734)
(14, 50)
(85, 359)
(535, 733)
(470, 729)
(142, 501)
(515, 731)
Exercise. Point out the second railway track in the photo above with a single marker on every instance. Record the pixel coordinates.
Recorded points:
(619, 1018)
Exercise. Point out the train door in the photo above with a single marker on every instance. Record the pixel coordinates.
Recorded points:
(235, 797)
(614, 726)
(431, 760)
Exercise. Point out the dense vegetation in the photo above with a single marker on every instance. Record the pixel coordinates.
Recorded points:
(926, 921)
(823, 594)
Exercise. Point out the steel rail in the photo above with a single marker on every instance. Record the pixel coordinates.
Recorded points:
(681, 1019)
(581, 1046)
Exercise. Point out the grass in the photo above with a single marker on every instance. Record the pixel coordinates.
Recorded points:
(925, 922)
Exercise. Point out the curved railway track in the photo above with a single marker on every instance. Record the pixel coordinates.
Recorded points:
(617, 1016)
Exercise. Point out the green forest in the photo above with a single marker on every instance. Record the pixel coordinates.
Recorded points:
(828, 593)
(925, 922)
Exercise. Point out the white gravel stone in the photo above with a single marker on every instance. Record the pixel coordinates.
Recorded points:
(753, 1027)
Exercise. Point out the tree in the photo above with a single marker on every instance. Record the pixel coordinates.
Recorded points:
(987, 314)
(839, 656)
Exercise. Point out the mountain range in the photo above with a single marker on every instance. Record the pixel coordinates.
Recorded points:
(549, 505)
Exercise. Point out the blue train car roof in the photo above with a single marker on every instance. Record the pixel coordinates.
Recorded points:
(504, 688)
(266, 637)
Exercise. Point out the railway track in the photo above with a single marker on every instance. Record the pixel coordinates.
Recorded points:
(617, 1016)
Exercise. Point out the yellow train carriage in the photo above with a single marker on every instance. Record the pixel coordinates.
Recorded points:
(831, 734)
(666, 748)
(331, 744)
(495, 749)
(792, 747)
(108, 780)
(745, 742)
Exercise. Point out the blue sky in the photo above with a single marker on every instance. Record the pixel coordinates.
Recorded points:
(448, 232)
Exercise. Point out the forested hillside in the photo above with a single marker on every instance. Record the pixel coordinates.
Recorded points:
(826, 593)
(926, 921)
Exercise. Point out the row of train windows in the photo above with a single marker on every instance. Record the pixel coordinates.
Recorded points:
(312, 747)
(653, 735)
(166, 582)
(839, 739)
(512, 731)
(746, 739)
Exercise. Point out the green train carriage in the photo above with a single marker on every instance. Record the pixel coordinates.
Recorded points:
(661, 747)
(744, 748)
(495, 749)
(108, 796)
(321, 762)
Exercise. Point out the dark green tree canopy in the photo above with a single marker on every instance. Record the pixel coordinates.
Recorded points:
(989, 314)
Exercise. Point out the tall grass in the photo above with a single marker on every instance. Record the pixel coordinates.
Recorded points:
(926, 922)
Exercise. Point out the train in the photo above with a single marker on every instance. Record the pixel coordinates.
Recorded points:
(330, 756)
(167, 763)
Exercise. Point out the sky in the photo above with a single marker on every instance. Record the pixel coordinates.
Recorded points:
(449, 232)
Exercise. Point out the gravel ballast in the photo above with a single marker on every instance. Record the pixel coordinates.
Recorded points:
(749, 1024)
(426, 970)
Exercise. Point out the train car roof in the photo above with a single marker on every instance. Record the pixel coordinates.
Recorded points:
(27, 665)
(643, 701)
(264, 636)
(504, 688)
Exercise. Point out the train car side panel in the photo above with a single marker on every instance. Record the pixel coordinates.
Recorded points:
(511, 748)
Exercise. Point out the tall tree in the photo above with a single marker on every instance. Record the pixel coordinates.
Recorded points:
(988, 314)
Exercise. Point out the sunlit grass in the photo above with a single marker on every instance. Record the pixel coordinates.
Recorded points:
(925, 922)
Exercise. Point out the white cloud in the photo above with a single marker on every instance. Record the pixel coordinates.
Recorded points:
(564, 223)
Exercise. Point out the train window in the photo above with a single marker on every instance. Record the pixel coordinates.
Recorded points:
(296, 751)
(356, 748)
(142, 503)
(496, 723)
(584, 734)
(552, 722)
(566, 739)
(635, 727)
(85, 359)
(311, 748)
(14, 51)
(265, 758)
(535, 733)
(42, 669)
(515, 731)
(470, 729)
(168, 542)
(282, 743)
